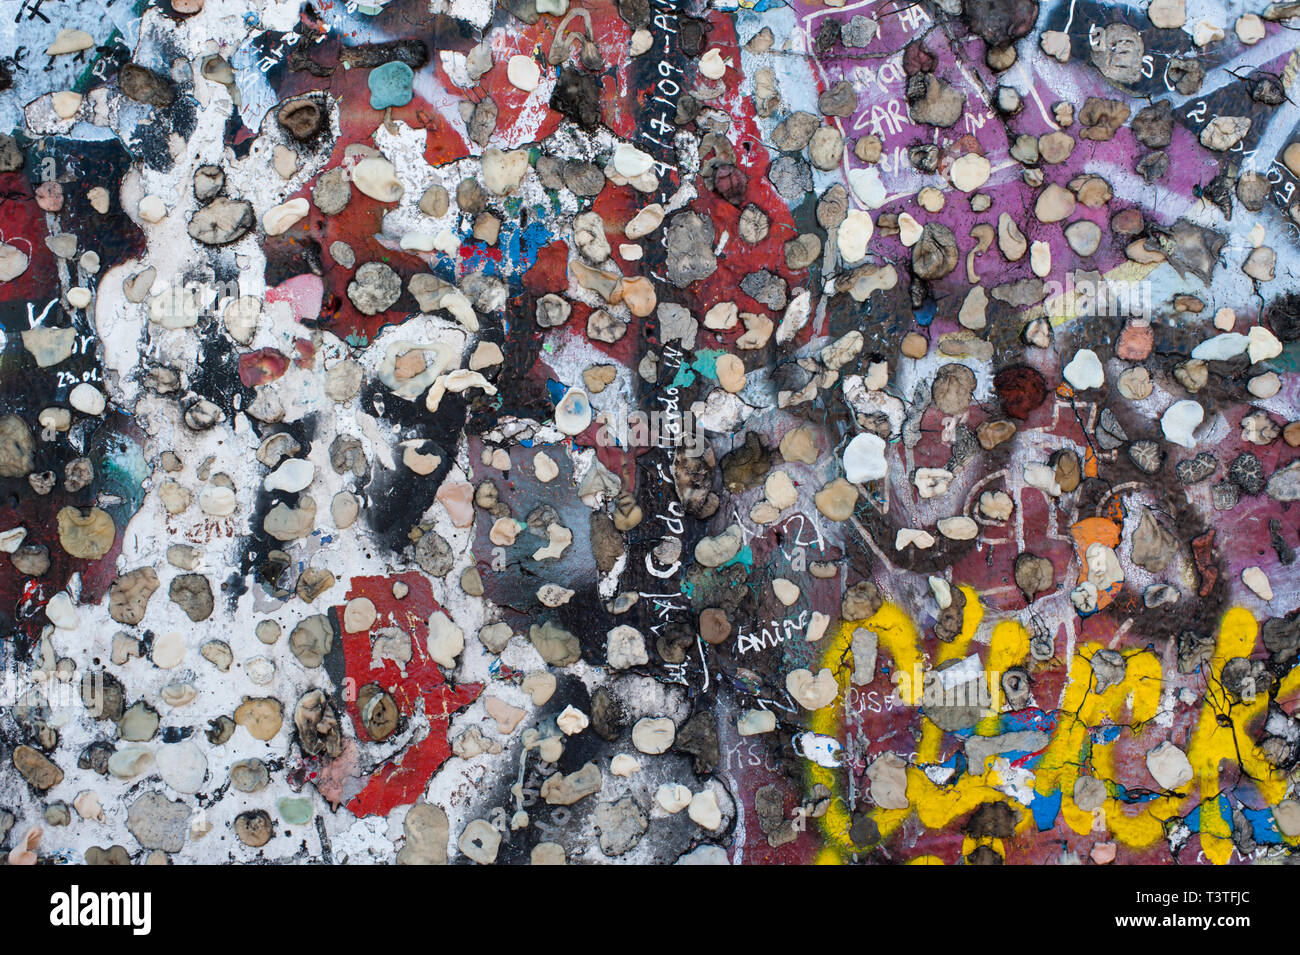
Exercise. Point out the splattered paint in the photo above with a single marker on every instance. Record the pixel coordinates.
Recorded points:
(649, 431)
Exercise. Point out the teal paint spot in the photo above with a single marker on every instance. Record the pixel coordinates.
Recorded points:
(297, 811)
(743, 556)
(358, 341)
(390, 85)
(122, 472)
(705, 362)
(1288, 361)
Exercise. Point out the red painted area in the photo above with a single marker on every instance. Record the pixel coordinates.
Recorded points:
(550, 272)
(362, 220)
(22, 225)
(402, 780)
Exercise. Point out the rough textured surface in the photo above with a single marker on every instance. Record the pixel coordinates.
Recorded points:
(432, 437)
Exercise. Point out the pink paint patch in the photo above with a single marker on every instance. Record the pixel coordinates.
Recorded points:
(260, 367)
(1103, 853)
(304, 293)
(306, 353)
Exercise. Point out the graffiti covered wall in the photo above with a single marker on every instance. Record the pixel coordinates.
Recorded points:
(649, 431)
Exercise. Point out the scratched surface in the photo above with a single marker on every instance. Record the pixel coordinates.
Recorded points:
(650, 431)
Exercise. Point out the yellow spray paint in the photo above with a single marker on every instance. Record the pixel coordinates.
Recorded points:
(1132, 702)
(1213, 744)
(935, 806)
